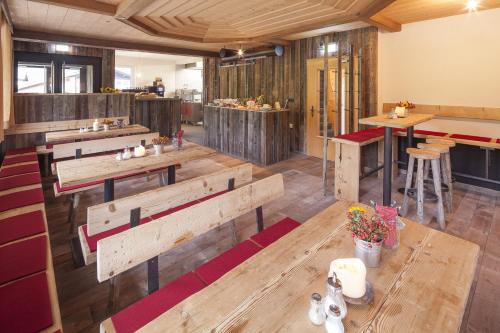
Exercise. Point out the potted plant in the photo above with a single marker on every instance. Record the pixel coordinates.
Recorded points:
(159, 143)
(107, 123)
(368, 233)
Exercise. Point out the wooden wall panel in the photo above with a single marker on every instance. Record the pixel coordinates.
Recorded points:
(279, 78)
(107, 56)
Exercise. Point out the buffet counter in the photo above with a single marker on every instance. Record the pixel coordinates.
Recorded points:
(260, 137)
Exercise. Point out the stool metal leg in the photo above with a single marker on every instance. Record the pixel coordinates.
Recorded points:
(437, 187)
(420, 190)
(409, 176)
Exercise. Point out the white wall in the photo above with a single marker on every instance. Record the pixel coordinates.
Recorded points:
(145, 70)
(448, 61)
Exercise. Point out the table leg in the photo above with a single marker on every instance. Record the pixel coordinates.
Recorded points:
(109, 190)
(171, 175)
(387, 165)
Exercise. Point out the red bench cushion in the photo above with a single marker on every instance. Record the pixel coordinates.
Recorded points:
(470, 137)
(21, 199)
(363, 136)
(220, 265)
(20, 159)
(18, 151)
(20, 226)
(23, 258)
(20, 180)
(275, 232)
(19, 170)
(25, 305)
(144, 311)
(92, 240)
(498, 140)
(423, 132)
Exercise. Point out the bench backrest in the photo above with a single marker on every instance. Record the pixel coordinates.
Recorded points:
(62, 125)
(110, 215)
(134, 246)
(65, 150)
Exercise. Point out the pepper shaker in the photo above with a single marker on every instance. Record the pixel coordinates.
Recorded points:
(333, 322)
(316, 313)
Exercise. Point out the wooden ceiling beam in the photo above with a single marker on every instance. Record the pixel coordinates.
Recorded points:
(85, 5)
(383, 23)
(6, 12)
(129, 8)
(374, 8)
(108, 44)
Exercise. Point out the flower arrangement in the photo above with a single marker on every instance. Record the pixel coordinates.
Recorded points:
(406, 104)
(369, 229)
(161, 140)
(107, 122)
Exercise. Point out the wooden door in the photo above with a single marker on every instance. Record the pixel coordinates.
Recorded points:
(314, 111)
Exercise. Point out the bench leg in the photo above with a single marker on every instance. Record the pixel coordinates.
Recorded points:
(171, 175)
(153, 275)
(109, 190)
(46, 165)
(75, 201)
(114, 293)
(260, 219)
(230, 187)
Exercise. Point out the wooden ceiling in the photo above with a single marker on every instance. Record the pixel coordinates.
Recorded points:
(208, 25)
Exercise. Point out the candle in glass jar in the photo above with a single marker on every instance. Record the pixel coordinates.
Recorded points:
(352, 274)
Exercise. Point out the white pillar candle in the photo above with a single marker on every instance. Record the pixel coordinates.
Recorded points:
(139, 151)
(95, 125)
(352, 274)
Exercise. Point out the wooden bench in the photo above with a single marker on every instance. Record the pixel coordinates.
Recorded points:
(113, 217)
(28, 294)
(348, 161)
(120, 252)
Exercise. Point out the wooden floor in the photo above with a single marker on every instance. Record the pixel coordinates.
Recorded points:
(82, 300)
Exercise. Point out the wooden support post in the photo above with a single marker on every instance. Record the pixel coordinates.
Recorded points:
(260, 219)
(153, 275)
(109, 190)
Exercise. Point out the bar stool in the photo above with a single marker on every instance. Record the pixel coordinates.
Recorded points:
(451, 144)
(422, 155)
(444, 152)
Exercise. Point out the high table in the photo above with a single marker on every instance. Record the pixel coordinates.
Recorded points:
(421, 287)
(107, 168)
(408, 122)
(74, 135)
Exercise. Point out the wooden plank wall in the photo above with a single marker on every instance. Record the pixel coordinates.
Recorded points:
(107, 56)
(163, 115)
(279, 78)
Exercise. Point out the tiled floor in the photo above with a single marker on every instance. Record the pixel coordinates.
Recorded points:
(476, 218)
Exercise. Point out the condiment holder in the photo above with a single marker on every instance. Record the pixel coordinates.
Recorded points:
(366, 299)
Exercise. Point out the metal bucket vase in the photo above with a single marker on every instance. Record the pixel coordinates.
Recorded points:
(158, 149)
(369, 253)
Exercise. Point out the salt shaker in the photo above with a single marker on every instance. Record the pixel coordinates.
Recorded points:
(334, 296)
(316, 313)
(333, 322)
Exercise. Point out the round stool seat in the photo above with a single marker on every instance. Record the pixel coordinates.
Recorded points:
(448, 142)
(434, 147)
(423, 154)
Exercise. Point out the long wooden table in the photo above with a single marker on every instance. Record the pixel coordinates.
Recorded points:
(408, 122)
(421, 287)
(73, 135)
(106, 168)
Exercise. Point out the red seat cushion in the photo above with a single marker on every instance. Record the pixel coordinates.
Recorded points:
(20, 180)
(423, 132)
(19, 170)
(20, 159)
(363, 136)
(25, 305)
(23, 258)
(20, 226)
(220, 265)
(18, 151)
(498, 140)
(470, 137)
(275, 232)
(92, 240)
(144, 311)
(21, 199)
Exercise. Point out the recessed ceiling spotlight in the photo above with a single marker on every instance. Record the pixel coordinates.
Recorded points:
(472, 4)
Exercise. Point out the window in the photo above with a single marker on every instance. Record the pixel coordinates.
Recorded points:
(123, 78)
(56, 73)
(34, 78)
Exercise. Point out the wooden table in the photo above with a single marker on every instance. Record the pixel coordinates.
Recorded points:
(408, 122)
(421, 287)
(106, 168)
(74, 135)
